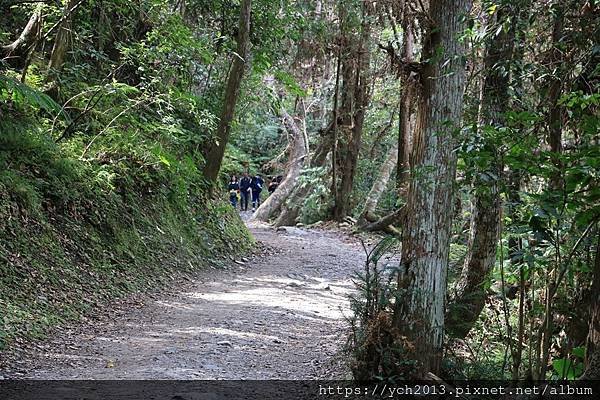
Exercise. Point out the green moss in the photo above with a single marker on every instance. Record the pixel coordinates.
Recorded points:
(70, 242)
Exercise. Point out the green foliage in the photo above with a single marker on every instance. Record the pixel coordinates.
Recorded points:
(317, 204)
(376, 347)
(99, 162)
(100, 232)
(15, 94)
(570, 368)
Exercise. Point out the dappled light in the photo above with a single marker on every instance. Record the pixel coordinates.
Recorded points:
(371, 191)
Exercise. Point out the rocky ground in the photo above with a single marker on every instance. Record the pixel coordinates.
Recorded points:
(279, 314)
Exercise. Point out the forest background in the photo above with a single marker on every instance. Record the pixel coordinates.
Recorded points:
(468, 131)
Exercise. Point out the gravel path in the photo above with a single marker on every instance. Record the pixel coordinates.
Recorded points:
(279, 315)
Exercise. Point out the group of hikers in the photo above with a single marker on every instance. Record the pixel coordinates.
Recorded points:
(248, 188)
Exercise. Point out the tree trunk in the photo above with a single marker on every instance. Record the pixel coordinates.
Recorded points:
(60, 47)
(515, 252)
(556, 109)
(61, 42)
(290, 209)
(354, 103)
(368, 212)
(216, 150)
(298, 157)
(419, 313)
(592, 356)
(472, 286)
(406, 99)
(554, 92)
(17, 52)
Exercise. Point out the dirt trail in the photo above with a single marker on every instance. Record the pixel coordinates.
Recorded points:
(278, 316)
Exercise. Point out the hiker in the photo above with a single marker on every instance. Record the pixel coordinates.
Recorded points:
(257, 185)
(245, 190)
(234, 188)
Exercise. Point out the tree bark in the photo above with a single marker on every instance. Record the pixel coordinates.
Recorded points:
(472, 286)
(592, 356)
(17, 52)
(404, 135)
(61, 42)
(298, 158)
(385, 171)
(555, 184)
(354, 103)
(290, 209)
(216, 150)
(60, 47)
(419, 313)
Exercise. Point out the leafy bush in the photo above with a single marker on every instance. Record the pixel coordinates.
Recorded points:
(376, 347)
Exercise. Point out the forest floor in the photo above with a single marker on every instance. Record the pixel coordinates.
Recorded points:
(278, 314)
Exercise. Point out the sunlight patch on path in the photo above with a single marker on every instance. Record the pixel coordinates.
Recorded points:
(281, 316)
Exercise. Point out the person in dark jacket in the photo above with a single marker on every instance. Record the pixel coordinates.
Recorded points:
(245, 190)
(234, 188)
(256, 185)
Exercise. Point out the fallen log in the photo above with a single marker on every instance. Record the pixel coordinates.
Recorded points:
(386, 224)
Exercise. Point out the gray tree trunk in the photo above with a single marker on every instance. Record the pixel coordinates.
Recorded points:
(419, 313)
(385, 172)
(290, 209)
(298, 158)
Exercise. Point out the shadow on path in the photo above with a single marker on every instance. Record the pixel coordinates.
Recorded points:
(280, 317)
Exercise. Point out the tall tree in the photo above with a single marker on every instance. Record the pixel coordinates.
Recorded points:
(355, 61)
(486, 207)
(552, 92)
(297, 159)
(592, 357)
(406, 102)
(215, 150)
(419, 312)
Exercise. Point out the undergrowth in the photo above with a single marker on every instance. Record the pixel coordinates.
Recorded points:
(377, 348)
(76, 232)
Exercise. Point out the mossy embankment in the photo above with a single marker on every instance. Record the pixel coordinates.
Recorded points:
(76, 233)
